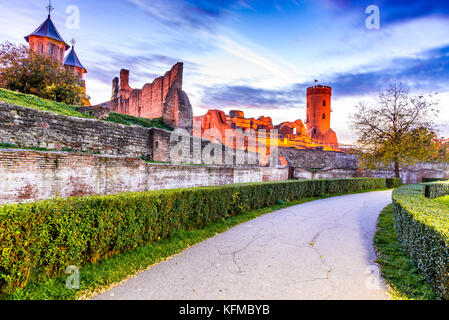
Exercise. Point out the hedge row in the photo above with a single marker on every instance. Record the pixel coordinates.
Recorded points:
(422, 227)
(393, 183)
(426, 180)
(43, 238)
(436, 189)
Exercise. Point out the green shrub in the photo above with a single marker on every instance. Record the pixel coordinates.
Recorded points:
(426, 180)
(43, 238)
(436, 189)
(422, 227)
(393, 183)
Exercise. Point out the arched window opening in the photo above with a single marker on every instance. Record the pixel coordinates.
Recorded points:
(324, 116)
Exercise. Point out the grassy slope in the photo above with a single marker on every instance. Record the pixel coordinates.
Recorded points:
(443, 200)
(30, 101)
(34, 102)
(403, 278)
(96, 278)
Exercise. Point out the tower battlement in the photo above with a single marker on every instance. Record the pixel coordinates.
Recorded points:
(319, 89)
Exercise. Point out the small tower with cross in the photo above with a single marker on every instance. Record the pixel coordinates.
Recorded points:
(73, 62)
(47, 40)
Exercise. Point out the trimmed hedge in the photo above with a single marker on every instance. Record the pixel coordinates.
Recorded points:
(426, 180)
(42, 239)
(393, 183)
(422, 227)
(436, 189)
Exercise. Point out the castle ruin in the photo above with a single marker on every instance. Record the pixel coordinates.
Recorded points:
(163, 98)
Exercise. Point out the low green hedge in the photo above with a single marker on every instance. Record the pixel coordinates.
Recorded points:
(426, 180)
(422, 227)
(436, 189)
(394, 183)
(42, 239)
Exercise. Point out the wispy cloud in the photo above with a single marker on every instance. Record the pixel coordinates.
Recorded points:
(253, 98)
(195, 14)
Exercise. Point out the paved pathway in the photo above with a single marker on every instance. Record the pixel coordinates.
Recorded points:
(317, 250)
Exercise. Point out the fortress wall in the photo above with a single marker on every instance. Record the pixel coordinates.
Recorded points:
(32, 175)
(409, 174)
(316, 159)
(28, 127)
(32, 128)
(416, 172)
(150, 101)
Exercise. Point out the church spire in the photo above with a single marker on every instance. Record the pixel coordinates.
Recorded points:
(47, 40)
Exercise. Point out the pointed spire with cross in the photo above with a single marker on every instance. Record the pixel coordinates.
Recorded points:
(49, 8)
(73, 42)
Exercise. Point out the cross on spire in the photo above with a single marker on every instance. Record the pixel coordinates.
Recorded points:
(49, 8)
(73, 42)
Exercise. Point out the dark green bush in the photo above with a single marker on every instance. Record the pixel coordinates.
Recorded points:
(43, 238)
(393, 183)
(426, 180)
(436, 189)
(422, 227)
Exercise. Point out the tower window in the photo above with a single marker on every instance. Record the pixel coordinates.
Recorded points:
(314, 131)
(324, 116)
(324, 103)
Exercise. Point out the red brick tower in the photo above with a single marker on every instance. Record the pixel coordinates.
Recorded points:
(319, 114)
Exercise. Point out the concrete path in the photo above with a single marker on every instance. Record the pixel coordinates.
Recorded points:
(317, 250)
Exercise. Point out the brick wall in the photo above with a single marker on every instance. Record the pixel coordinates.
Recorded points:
(28, 127)
(32, 175)
(415, 173)
(316, 159)
(409, 174)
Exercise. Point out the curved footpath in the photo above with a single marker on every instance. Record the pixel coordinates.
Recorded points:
(316, 250)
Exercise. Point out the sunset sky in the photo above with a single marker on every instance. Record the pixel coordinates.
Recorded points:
(257, 56)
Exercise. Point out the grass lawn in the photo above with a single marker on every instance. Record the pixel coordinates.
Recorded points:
(34, 102)
(30, 101)
(443, 200)
(98, 277)
(404, 279)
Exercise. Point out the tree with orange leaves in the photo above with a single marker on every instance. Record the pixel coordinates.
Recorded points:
(28, 72)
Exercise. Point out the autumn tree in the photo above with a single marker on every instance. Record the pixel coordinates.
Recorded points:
(28, 72)
(398, 129)
(443, 150)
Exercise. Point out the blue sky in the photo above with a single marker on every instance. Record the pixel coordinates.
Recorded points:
(254, 55)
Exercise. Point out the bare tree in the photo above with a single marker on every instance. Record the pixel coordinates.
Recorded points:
(398, 129)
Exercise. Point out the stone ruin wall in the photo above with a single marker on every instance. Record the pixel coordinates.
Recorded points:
(31, 128)
(163, 98)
